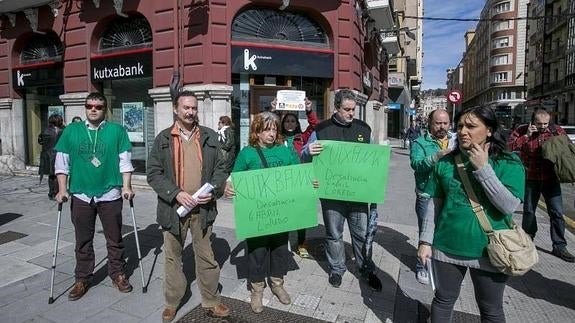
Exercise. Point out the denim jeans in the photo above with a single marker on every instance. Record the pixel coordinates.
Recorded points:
(552, 195)
(421, 203)
(334, 215)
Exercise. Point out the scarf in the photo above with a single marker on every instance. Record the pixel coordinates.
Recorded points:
(179, 152)
(222, 134)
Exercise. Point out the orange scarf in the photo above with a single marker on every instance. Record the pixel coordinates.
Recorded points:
(179, 152)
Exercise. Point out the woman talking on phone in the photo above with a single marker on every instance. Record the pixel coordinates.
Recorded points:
(453, 236)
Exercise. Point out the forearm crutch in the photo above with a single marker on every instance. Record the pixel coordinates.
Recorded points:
(144, 288)
(55, 255)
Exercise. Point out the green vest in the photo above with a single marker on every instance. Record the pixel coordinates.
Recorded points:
(278, 155)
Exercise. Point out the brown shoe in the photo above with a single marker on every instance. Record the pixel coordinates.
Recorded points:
(122, 283)
(168, 314)
(219, 310)
(80, 288)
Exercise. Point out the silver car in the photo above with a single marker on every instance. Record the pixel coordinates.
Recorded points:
(570, 130)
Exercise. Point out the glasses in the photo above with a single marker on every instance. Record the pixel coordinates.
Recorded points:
(98, 107)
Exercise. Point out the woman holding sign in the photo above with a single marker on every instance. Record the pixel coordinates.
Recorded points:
(265, 149)
(295, 139)
(458, 243)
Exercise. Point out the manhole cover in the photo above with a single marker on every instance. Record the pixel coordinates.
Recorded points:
(125, 229)
(241, 312)
(8, 236)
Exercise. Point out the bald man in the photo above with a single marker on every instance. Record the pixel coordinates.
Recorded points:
(425, 151)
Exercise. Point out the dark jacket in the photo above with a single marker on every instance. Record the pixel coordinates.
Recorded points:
(162, 177)
(48, 139)
(333, 129)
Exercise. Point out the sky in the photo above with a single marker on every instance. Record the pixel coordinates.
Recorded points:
(443, 42)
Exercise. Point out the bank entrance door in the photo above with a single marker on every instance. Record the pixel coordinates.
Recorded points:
(261, 97)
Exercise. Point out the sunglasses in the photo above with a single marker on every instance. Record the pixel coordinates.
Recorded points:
(98, 107)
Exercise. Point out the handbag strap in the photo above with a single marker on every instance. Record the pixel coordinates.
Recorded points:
(475, 205)
(264, 161)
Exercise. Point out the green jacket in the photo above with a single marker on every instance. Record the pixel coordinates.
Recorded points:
(421, 155)
(162, 178)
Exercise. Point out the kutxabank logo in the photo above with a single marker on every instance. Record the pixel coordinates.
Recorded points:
(118, 71)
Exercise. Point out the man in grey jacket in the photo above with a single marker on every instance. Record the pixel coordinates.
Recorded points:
(185, 157)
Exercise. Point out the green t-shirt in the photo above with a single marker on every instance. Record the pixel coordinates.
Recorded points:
(278, 155)
(82, 145)
(457, 229)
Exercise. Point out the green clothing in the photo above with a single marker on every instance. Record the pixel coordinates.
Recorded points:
(288, 140)
(421, 155)
(162, 177)
(82, 145)
(457, 230)
(278, 155)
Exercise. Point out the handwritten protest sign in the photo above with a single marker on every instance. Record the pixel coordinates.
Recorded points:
(290, 100)
(273, 200)
(352, 171)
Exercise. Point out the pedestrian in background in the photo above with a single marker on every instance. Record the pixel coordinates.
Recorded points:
(342, 126)
(184, 157)
(48, 139)
(227, 138)
(453, 236)
(425, 151)
(95, 155)
(266, 254)
(296, 139)
(413, 132)
(77, 119)
(541, 179)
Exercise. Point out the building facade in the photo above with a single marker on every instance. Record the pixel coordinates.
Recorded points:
(551, 61)
(234, 55)
(494, 59)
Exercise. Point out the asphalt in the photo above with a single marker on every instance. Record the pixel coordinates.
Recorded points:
(545, 294)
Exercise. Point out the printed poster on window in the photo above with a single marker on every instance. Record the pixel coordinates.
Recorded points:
(290, 100)
(133, 120)
(55, 109)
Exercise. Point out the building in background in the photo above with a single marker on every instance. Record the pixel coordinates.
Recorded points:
(432, 100)
(494, 59)
(551, 61)
(234, 55)
(454, 82)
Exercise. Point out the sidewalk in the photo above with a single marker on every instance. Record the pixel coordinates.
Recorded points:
(546, 294)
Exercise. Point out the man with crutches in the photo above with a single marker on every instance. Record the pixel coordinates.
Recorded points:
(95, 156)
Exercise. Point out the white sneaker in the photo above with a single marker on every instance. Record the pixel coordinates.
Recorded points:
(422, 276)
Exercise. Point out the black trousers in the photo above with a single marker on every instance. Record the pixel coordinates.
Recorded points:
(488, 287)
(267, 252)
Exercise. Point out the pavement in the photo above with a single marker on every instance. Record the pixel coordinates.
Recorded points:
(28, 219)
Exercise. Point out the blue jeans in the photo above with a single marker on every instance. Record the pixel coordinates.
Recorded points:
(552, 195)
(421, 203)
(334, 215)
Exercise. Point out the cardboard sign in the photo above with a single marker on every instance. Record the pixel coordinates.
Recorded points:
(273, 200)
(352, 171)
(290, 100)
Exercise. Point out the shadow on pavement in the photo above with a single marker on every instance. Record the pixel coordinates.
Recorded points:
(535, 285)
(8, 217)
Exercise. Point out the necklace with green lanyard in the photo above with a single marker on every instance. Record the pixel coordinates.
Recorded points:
(95, 161)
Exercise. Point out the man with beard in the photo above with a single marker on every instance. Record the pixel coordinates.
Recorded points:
(425, 151)
(184, 157)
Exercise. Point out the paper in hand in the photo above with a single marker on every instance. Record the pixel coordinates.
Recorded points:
(430, 272)
(205, 189)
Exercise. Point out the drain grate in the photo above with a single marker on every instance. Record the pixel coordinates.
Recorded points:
(125, 229)
(8, 236)
(242, 313)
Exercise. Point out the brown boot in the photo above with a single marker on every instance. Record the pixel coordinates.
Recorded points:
(219, 310)
(80, 288)
(257, 296)
(122, 283)
(168, 314)
(277, 285)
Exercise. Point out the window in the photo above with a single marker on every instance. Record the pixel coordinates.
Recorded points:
(501, 42)
(500, 60)
(501, 25)
(500, 77)
(501, 7)
(503, 95)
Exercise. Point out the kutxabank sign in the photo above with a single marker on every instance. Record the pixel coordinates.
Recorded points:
(274, 200)
(121, 67)
(352, 171)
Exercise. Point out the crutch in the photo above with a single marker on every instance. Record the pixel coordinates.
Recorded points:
(144, 288)
(51, 299)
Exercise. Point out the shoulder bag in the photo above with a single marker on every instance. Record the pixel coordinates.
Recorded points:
(511, 251)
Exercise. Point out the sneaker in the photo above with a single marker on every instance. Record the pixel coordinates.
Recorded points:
(422, 276)
(373, 281)
(563, 254)
(302, 251)
(335, 280)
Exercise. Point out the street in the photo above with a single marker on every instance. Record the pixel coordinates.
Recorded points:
(545, 294)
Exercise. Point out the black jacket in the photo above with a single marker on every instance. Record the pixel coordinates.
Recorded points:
(333, 129)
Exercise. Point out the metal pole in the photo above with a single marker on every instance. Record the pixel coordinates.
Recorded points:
(144, 288)
(55, 255)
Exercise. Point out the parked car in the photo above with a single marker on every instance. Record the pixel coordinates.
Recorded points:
(570, 130)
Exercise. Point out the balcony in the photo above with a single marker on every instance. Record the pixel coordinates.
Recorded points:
(396, 80)
(554, 86)
(389, 41)
(381, 11)
(13, 6)
(555, 54)
(556, 22)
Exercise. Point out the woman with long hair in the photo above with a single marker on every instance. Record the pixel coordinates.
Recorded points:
(48, 139)
(453, 236)
(227, 137)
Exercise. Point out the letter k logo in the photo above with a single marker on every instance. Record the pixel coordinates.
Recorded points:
(20, 78)
(249, 61)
